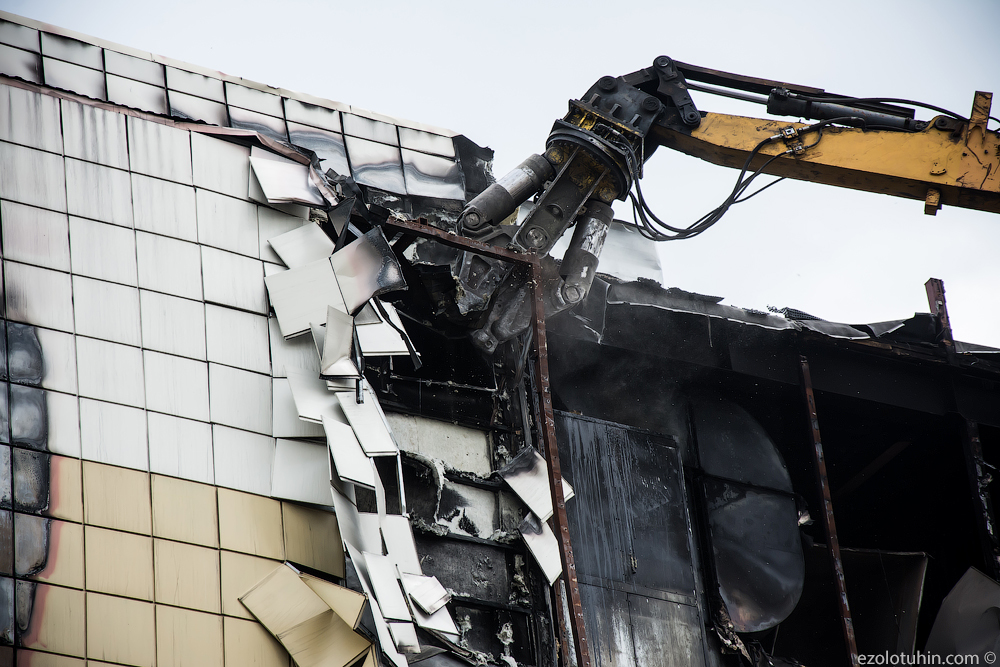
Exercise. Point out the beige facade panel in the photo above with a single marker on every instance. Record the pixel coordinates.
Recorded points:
(250, 524)
(312, 538)
(37, 659)
(240, 573)
(185, 511)
(120, 630)
(64, 560)
(116, 498)
(324, 640)
(248, 644)
(119, 563)
(187, 576)
(186, 638)
(281, 601)
(66, 490)
(348, 604)
(57, 621)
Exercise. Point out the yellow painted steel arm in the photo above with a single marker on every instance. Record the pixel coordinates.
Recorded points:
(959, 167)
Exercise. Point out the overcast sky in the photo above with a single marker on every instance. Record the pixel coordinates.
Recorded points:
(501, 73)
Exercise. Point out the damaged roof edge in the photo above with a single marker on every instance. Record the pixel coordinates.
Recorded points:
(642, 293)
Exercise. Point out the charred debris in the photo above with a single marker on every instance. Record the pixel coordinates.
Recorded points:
(770, 488)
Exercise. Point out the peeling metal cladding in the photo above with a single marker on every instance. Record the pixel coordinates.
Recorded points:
(432, 176)
(196, 108)
(757, 553)
(367, 268)
(328, 145)
(376, 165)
(269, 126)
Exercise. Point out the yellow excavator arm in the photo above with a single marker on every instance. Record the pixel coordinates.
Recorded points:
(949, 162)
(595, 154)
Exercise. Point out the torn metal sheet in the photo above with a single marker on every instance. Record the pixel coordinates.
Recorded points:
(280, 601)
(336, 354)
(398, 536)
(348, 604)
(295, 352)
(358, 530)
(405, 636)
(542, 544)
(302, 245)
(312, 632)
(385, 582)
(301, 296)
(527, 474)
(385, 639)
(426, 592)
(349, 460)
(368, 314)
(283, 181)
(312, 399)
(368, 424)
(285, 417)
(968, 622)
(378, 337)
(301, 472)
(440, 621)
(366, 268)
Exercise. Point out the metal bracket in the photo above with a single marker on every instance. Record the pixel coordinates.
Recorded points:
(673, 86)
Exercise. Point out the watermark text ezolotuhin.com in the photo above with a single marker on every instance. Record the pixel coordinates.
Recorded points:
(920, 658)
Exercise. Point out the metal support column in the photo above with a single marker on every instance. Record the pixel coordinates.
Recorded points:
(829, 525)
(972, 448)
(547, 428)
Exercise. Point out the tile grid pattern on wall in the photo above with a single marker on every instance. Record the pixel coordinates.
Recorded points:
(377, 151)
(137, 350)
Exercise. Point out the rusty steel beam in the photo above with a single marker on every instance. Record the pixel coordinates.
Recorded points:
(546, 426)
(453, 240)
(972, 448)
(829, 524)
(939, 308)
